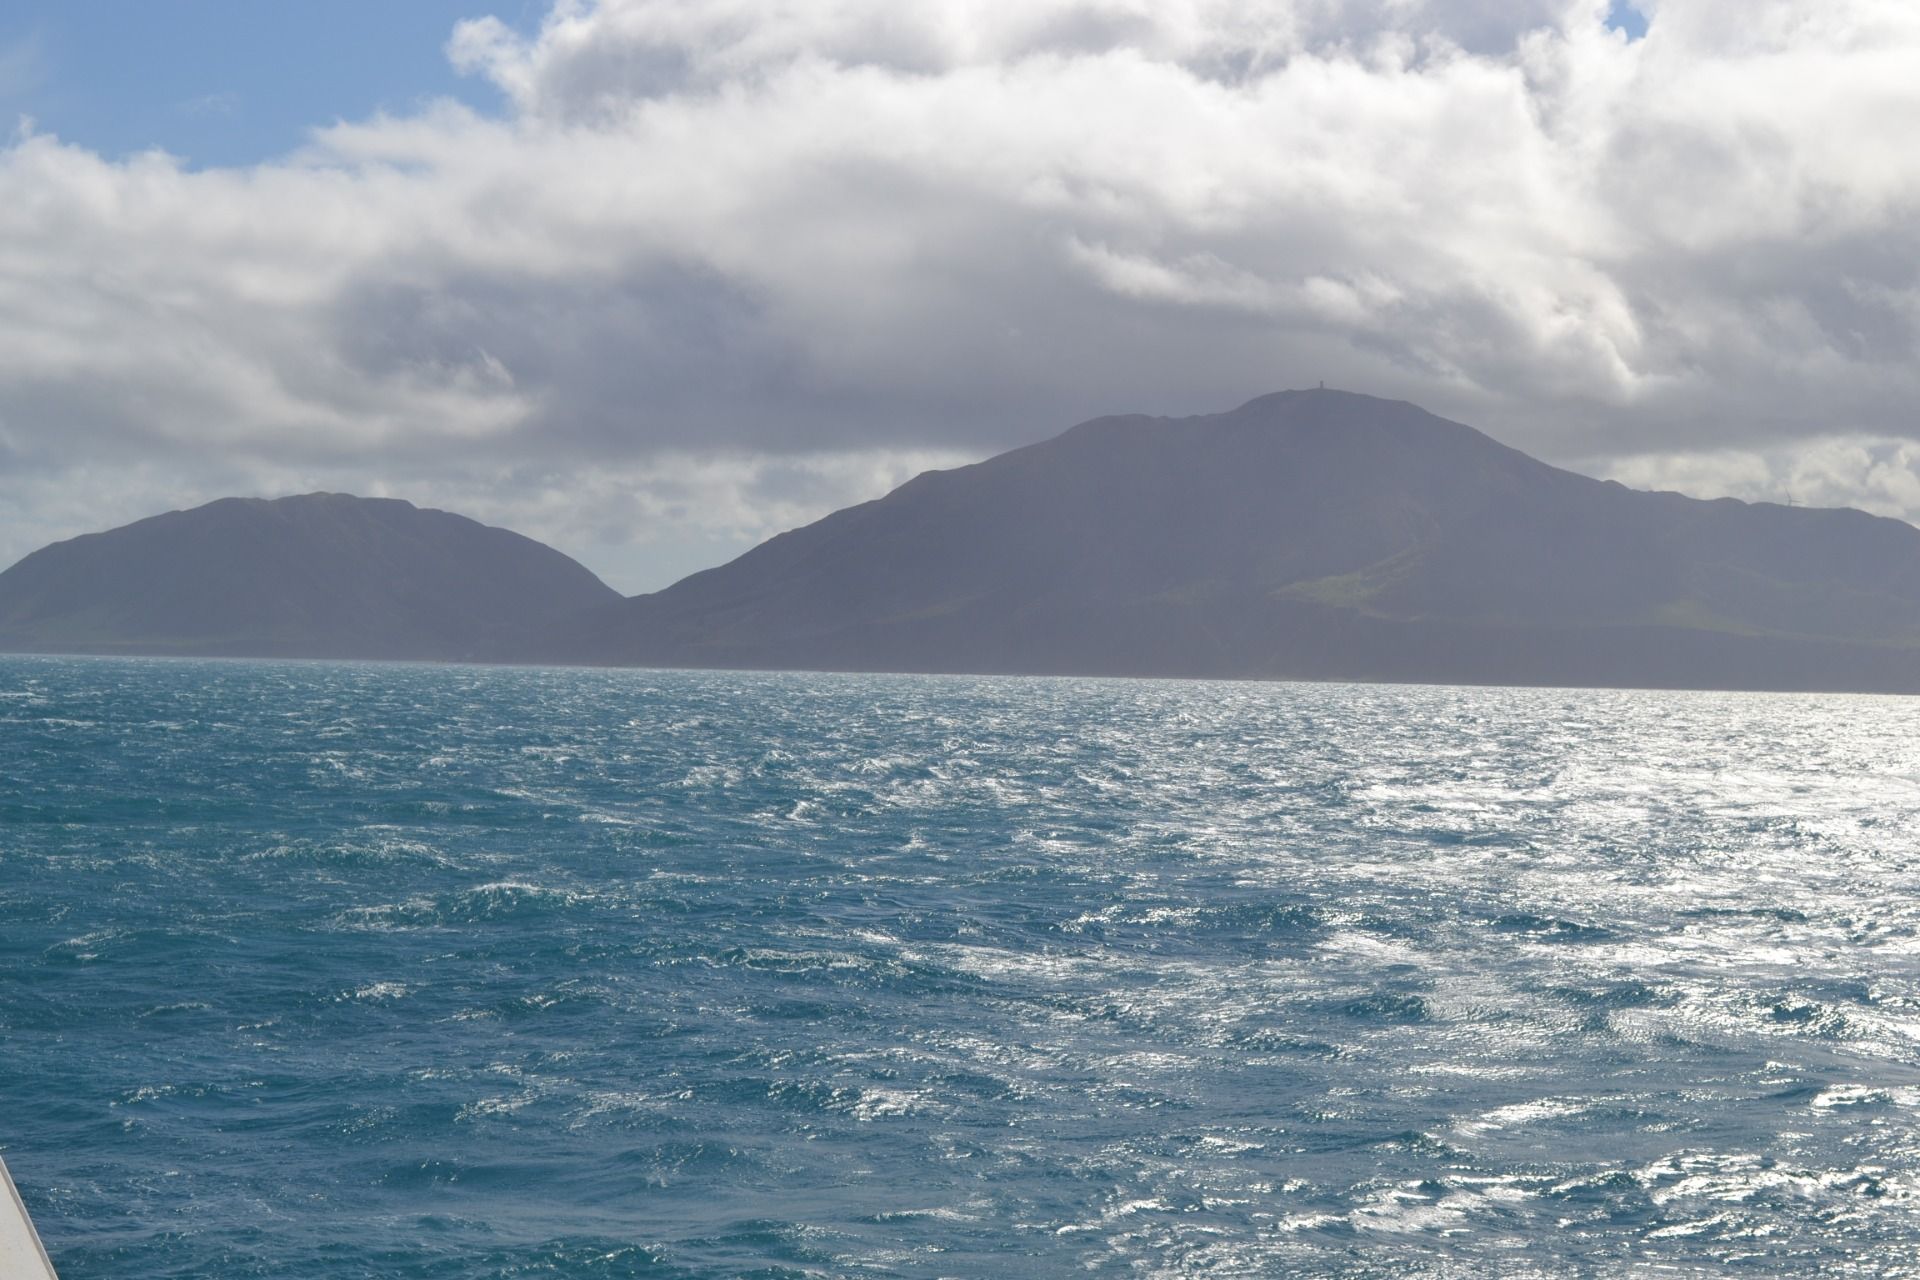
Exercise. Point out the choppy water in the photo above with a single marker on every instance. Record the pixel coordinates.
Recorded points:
(348, 971)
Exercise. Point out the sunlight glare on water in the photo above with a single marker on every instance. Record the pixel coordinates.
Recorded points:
(316, 970)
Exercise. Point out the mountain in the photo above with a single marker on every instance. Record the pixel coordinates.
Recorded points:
(319, 576)
(1306, 534)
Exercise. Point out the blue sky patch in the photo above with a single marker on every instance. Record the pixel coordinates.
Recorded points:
(1623, 16)
(231, 82)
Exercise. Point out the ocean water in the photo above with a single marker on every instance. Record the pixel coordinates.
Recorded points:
(317, 970)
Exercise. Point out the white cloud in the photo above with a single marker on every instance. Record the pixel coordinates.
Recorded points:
(780, 249)
(1872, 473)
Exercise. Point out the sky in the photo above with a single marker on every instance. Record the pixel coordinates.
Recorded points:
(652, 280)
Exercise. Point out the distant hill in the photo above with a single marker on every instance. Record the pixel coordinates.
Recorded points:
(320, 576)
(1309, 534)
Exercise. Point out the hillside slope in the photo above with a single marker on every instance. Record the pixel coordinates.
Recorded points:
(319, 576)
(1315, 534)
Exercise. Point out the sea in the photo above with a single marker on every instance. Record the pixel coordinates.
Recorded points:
(320, 970)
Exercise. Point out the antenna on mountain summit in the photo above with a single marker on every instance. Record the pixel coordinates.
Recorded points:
(1323, 384)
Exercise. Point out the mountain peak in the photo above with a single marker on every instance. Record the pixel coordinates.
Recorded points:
(323, 498)
(1312, 533)
(1332, 406)
(310, 575)
(1322, 393)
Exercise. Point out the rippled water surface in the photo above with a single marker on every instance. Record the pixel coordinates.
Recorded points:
(352, 971)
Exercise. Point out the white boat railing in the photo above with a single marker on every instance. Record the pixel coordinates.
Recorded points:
(22, 1256)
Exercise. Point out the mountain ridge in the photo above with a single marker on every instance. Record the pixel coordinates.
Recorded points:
(314, 575)
(1305, 534)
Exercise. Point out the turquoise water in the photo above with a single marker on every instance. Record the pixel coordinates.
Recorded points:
(350, 971)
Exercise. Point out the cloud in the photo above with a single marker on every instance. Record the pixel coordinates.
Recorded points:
(225, 102)
(1875, 474)
(789, 247)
